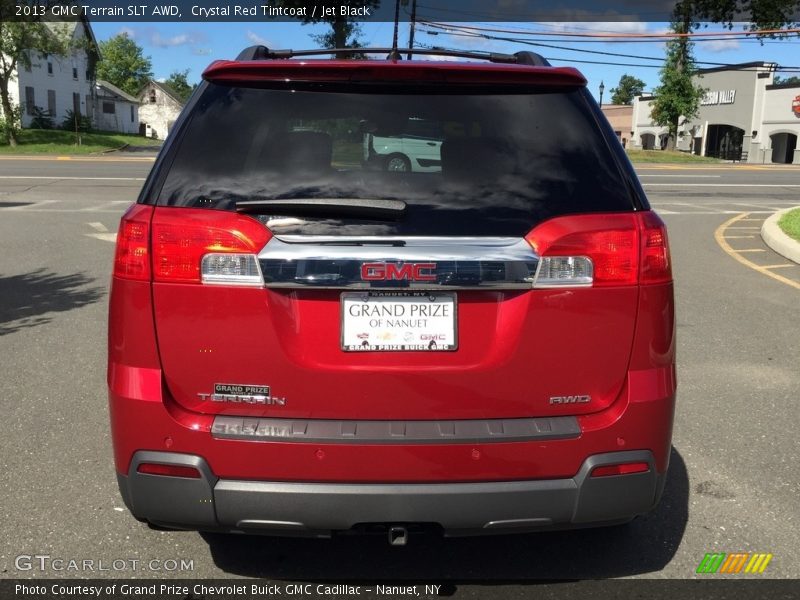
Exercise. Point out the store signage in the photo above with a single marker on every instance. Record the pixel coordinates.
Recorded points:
(796, 106)
(718, 97)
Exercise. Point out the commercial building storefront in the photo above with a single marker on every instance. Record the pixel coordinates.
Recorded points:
(743, 116)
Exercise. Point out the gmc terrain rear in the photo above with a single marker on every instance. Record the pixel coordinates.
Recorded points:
(302, 342)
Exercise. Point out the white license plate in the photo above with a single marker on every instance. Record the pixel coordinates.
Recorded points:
(398, 321)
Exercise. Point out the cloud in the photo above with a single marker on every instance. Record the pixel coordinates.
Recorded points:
(257, 39)
(183, 39)
(201, 51)
(721, 45)
(598, 26)
(152, 36)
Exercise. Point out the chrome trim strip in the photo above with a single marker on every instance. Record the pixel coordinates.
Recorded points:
(461, 262)
(395, 432)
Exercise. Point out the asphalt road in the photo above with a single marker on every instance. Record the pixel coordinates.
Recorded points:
(733, 482)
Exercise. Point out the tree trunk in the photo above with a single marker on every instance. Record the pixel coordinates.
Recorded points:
(672, 140)
(339, 32)
(8, 114)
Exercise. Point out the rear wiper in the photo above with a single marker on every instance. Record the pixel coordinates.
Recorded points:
(354, 208)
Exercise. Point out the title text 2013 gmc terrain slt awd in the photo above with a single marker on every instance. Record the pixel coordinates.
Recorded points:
(300, 344)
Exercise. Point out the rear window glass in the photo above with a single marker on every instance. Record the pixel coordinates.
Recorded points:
(465, 164)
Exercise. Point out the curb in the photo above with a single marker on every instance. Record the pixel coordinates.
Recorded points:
(775, 238)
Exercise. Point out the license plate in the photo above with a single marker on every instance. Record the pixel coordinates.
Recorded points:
(398, 321)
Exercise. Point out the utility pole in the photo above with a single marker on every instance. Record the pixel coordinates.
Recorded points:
(412, 27)
(394, 54)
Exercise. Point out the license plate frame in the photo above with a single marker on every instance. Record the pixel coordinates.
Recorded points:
(395, 338)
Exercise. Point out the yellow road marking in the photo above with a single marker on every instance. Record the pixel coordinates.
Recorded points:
(719, 235)
(739, 237)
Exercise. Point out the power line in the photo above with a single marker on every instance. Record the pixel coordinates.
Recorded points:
(545, 45)
(527, 42)
(610, 35)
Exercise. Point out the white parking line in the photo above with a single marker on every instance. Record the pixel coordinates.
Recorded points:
(745, 185)
(54, 177)
(106, 237)
(683, 176)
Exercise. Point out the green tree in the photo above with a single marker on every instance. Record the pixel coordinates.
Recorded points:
(793, 80)
(17, 41)
(628, 87)
(123, 63)
(678, 96)
(345, 31)
(179, 84)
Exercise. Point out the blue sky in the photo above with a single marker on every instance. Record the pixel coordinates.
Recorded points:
(178, 46)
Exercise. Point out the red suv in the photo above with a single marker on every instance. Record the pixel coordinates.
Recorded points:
(300, 343)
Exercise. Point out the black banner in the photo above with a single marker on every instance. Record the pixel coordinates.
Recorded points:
(357, 10)
(251, 589)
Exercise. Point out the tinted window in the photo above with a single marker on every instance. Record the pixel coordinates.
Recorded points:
(472, 164)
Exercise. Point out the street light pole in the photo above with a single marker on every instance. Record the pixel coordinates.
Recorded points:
(602, 89)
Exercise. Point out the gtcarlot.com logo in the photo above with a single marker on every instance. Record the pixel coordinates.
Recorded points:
(734, 562)
(45, 562)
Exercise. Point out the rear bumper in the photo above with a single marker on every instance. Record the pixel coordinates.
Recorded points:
(317, 509)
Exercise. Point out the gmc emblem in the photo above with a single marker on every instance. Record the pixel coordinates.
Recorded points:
(387, 271)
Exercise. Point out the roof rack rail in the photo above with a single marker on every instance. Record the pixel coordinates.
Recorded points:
(522, 58)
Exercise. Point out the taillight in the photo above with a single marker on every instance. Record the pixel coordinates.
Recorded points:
(208, 246)
(656, 263)
(132, 256)
(601, 250)
(597, 250)
(168, 470)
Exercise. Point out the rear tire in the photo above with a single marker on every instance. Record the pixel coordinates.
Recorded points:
(398, 163)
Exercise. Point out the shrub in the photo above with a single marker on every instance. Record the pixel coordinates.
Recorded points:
(42, 119)
(77, 121)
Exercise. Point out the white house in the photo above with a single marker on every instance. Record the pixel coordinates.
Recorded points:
(114, 109)
(58, 84)
(159, 108)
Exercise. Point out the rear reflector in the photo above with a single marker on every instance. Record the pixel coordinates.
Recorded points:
(601, 250)
(623, 469)
(168, 470)
(132, 256)
(182, 237)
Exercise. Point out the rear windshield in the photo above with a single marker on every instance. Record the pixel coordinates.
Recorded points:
(465, 164)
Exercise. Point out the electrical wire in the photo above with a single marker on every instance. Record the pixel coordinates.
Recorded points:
(458, 33)
(610, 35)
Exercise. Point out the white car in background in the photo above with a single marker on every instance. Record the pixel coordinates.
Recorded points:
(417, 149)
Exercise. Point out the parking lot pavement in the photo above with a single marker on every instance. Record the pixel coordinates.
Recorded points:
(732, 487)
